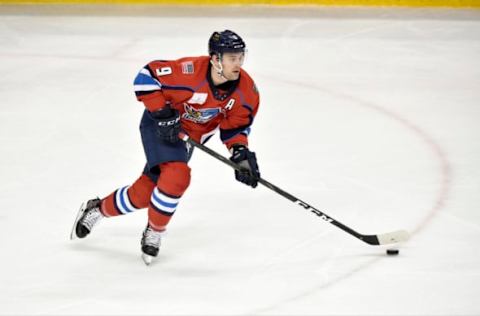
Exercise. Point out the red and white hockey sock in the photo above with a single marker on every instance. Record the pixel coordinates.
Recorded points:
(128, 199)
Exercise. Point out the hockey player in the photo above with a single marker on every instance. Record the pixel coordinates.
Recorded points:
(194, 95)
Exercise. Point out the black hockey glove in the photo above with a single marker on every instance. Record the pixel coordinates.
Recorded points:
(168, 124)
(248, 161)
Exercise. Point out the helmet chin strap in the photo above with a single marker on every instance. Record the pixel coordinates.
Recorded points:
(219, 70)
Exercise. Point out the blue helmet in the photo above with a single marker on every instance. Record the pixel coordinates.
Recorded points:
(225, 42)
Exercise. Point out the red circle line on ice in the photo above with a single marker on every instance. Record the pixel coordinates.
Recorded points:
(430, 143)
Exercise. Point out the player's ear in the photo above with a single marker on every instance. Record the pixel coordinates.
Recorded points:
(215, 59)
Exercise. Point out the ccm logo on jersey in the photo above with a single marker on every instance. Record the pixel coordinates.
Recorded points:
(169, 123)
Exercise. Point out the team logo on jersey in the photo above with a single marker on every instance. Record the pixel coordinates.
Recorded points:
(187, 68)
(200, 116)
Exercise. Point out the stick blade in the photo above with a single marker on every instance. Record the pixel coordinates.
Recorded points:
(393, 237)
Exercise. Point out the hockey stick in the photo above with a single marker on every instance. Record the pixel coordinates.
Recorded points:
(380, 239)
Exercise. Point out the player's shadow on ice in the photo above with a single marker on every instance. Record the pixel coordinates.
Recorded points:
(100, 250)
(110, 250)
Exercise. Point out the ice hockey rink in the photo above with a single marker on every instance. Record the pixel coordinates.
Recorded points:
(370, 115)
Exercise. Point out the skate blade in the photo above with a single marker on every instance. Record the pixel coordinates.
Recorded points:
(147, 259)
(73, 234)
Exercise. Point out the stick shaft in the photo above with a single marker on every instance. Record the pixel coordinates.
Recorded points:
(369, 239)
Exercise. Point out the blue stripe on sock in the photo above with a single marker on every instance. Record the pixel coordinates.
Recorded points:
(122, 201)
(166, 204)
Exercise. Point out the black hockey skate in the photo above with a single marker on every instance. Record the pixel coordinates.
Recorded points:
(150, 244)
(87, 217)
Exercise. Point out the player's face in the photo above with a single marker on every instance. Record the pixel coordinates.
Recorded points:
(232, 63)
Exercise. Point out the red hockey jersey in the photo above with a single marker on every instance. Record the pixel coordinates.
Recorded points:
(183, 84)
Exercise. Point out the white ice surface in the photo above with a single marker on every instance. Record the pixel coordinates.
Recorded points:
(371, 116)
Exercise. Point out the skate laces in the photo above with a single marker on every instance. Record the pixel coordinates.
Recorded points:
(92, 217)
(152, 237)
